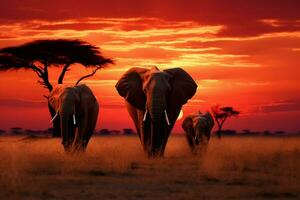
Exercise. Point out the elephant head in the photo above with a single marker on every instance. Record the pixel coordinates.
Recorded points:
(197, 129)
(77, 109)
(155, 99)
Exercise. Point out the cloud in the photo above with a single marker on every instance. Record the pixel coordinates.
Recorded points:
(239, 18)
(20, 103)
(281, 106)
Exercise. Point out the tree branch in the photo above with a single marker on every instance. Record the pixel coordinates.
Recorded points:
(46, 78)
(223, 120)
(37, 70)
(43, 74)
(88, 75)
(218, 123)
(63, 72)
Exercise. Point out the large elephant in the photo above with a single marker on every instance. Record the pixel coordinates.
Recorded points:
(197, 129)
(77, 109)
(154, 99)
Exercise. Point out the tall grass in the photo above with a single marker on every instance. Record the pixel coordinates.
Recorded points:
(31, 165)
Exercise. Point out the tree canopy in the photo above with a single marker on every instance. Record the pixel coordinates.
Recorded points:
(221, 114)
(39, 55)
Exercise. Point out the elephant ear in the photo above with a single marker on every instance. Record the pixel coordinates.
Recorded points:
(183, 86)
(54, 96)
(130, 87)
(210, 120)
(187, 124)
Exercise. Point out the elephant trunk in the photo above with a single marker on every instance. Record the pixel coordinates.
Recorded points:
(156, 111)
(64, 123)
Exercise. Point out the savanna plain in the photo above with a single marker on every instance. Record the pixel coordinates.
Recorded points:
(115, 167)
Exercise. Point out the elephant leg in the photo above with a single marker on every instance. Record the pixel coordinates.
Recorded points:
(79, 136)
(137, 117)
(134, 116)
(144, 130)
(173, 114)
(91, 124)
(66, 128)
(190, 138)
(72, 130)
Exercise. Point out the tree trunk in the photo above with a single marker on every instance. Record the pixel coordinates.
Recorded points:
(219, 133)
(56, 122)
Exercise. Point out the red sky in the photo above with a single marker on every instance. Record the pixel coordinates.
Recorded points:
(244, 54)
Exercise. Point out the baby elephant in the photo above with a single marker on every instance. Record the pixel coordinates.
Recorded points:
(197, 129)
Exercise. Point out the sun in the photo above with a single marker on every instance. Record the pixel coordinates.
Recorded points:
(180, 115)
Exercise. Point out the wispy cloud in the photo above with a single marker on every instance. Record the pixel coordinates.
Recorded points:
(21, 103)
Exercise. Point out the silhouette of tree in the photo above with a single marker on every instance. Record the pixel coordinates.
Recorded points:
(128, 131)
(267, 132)
(16, 130)
(105, 132)
(40, 55)
(2, 131)
(246, 132)
(228, 132)
(279, 132)
(116, 132)
(29, 132)
(220, 115)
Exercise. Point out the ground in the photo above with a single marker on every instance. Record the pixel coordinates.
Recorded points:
(114, 167)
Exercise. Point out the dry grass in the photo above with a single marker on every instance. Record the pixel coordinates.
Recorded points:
(116, 168)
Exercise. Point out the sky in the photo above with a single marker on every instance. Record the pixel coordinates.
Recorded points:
(241, 53)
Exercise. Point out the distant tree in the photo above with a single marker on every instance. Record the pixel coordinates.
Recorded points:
(2, 131)
(16, 130)
(128, 131)
(279, 132)
(40, 55)
(246, 132)
(267, 132)
(228, 132)
(49, 131)
(35, 132)
(116, 132)
(29, 132)
(220, 115)
(105, 132)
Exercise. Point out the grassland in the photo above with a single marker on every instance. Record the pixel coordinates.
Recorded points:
(116, 168)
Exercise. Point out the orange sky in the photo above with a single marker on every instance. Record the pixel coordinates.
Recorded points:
(244, 54)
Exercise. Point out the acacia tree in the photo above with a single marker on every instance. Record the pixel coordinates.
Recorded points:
(220, 115)
(40, 55)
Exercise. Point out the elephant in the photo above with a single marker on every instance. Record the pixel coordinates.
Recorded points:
(197, 129)
(154, 99)
(77, 108)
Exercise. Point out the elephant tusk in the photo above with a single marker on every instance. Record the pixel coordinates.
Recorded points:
(167, 118)
(74, 119)
(56, 114)
(145, 115)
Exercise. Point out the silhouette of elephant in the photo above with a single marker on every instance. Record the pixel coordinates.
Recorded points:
(197, 129)
(154, 99)
(78, 110)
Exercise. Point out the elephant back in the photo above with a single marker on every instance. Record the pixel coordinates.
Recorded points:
(85, 91)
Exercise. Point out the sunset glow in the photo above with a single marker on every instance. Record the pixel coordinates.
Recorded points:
(244, 54)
